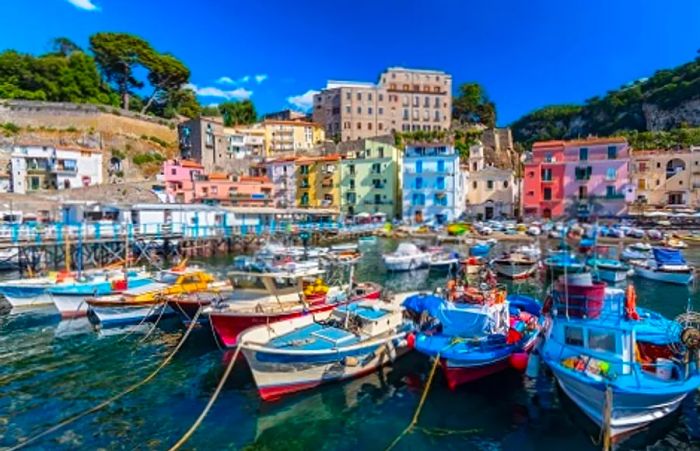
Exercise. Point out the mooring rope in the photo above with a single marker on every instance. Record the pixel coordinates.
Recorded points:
(110, 400)
(211, 402)
(155, 324)
(423, 397)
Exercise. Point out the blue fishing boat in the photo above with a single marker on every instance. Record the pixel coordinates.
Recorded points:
(604, 265)
(481, 249)
(668, 265)
(475, 340)
(561, 262)
(70, 298)
(624, 367)
(307, 351)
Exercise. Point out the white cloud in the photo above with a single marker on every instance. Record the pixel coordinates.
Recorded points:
(260, 78)
(303, 101)
(86, 5)
(211, 91)
(226, 81)
(244, 79)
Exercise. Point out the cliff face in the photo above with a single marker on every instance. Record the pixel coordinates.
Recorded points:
(499, 149)
(658, 118)
(121, 135)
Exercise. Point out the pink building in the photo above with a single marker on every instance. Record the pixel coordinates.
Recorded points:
(241, 191)
(178, 177)
(596, 177)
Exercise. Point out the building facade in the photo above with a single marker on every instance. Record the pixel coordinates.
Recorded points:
(578, 178)
(666, 178)
(291, 137)
(403, 100)
(178, 176)
(433, 185)
(491, 192)
(36, 167)
(318, 182)
(369, 180)
(282, 173)
(221, 189)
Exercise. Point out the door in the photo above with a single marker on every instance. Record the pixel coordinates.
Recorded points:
(547, 213)
(488, 213)
(418, 216)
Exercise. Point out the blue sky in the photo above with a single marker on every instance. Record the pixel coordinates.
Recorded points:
(527, 53)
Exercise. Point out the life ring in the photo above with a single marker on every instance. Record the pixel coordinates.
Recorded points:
(631, 303)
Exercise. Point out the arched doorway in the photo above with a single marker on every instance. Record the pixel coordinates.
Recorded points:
(674, 166)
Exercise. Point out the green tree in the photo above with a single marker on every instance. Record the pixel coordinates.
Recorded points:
(118, 55)
(210, 111)
(238, 113)
(64, 46)
(166, 75)
(472, 105)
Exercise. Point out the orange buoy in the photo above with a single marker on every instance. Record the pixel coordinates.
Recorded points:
(518, 360)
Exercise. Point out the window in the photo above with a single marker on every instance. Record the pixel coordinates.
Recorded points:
(610, 191)
(475, 166)
(352, 183)
(369, 96)
(601, 340)
(658, 165)
(348, 109)
(418, 199)
(350, 198)
(612, 153)
(380, 111)
(573, 336)
(173, 171)
(441, 166)
(474, 184)
(381, 151)
(380, 97)
(642, 184)
(419, 183)
(369, 110)
(359, 125)
(359, 110)
(304, 169)
(583, 172)
(351, 169)
(437, 102)
(611, 174)
(369, 126)
(348, 96)
(440, 183)
(419, 167)
(583, 154)
(505, 184)
(380, 126)
(359, 96)
(546, 175)
(489, 185)
(405, 114)
(214, 190)
(548, 194)
(426, 102)
(548, 158)
(582, 192)
(440, 199)
(642, 166)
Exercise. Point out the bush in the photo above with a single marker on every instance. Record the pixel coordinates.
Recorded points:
(71, 129)
(145, 158)
(117, 153)
(158, 141)
(10, 128)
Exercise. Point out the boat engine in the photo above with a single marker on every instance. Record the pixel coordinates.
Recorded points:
(690, 335)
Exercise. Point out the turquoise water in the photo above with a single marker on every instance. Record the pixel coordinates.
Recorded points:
(51, 369)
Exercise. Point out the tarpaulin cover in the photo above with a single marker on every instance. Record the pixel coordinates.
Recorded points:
(664, 256)
(458, 320)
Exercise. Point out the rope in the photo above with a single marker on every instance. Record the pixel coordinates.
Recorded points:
(211, 402)
(110, 400)
(164, 307)
(423, 397)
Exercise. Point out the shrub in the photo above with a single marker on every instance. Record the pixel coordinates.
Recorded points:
(10, 128)
(71, 129)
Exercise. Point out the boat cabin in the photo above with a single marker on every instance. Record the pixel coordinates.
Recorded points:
(277, 283)
(368, 318)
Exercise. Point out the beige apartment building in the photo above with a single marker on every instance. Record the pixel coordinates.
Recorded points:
(491, 192)
(403, 100)
(666, 178)
(291, 137)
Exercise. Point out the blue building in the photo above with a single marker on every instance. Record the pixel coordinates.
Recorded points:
(434, 189)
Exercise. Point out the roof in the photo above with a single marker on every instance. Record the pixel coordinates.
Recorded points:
(292, 122)
(333, 157)
(218, 176)
(288, 159)
(422, 71)
(60, 147)
(188, 164)
(333, 84)
(253, 178)
(580, 142)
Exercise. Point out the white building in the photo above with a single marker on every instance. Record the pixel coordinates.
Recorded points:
(491, 192)
(37, 167)
(433, 185)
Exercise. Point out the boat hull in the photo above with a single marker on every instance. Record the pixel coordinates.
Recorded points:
(631, 410)
(612, 275)
(109, 316)
(558, 270)
(515, 271)
(406, 265)
(678, 278)
(298, 373)
(70, 306)
(187, 310)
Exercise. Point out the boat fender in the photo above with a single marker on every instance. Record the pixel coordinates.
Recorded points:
(533, 365)
(351, 361)
(519, 361)
(411, 341)
(631, 303)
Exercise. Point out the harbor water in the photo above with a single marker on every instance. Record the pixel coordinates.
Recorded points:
(51, 369)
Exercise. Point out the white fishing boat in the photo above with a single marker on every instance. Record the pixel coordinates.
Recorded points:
(407, 257)
(515, 265)
(444, 261)
(28, 292)
(668, 265)
(343, 247)
(305, 352)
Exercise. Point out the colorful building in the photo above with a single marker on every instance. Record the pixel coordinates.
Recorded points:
(433, 185)
(491, 192)
(178, 177)
(291, 137)
(41, 167)
(666, 178)
(221, 189)
(370, 179)
(282, 173)
(578, 178)
(318, 182)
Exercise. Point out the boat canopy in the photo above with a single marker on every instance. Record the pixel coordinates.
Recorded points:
(459, 320)
(666, 256)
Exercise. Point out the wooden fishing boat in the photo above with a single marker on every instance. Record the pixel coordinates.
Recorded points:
(279, 297)
(149, 301)
(304, 352)
(477, 339)
(599, 345)
(514, 265)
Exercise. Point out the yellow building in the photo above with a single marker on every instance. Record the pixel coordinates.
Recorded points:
(318, 182)
(291, 136)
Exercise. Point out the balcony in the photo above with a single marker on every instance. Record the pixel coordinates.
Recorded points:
(378, 185)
